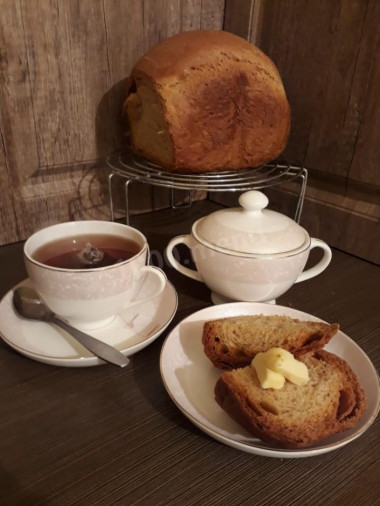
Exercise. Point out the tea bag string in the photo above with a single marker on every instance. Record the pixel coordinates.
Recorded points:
(148, 258)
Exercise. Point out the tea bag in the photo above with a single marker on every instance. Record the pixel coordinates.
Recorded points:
(90, 255)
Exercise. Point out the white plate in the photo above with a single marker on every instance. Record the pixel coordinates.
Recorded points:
(131, 331)
(190, 378)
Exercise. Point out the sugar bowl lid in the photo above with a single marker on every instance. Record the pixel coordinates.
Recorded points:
(251, 229)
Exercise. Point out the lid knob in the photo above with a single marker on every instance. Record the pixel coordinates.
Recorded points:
(253, 200)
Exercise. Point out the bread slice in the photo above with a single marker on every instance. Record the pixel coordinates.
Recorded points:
(295, 416)
(234, 342)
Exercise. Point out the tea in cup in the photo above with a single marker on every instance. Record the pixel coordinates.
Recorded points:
(87, 272)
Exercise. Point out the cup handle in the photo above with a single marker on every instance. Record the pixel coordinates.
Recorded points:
(321, 265)
(162, 283)
(181, 239)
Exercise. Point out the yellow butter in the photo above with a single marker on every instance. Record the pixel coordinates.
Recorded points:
(276, 365)
(267, 377)
(283, 362)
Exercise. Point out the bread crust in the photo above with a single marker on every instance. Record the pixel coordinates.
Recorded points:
(341, 409)
(227, 350)
(222, 99)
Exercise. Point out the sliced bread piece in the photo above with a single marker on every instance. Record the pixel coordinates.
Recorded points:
(234, 342)
(295, 416)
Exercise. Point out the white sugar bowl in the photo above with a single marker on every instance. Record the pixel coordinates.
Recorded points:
(249, 253)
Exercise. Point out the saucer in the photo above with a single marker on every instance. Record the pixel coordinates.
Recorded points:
(190, 377)
(131, 331)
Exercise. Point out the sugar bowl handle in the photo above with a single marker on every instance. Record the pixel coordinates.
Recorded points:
(321, 265)
(181, 239)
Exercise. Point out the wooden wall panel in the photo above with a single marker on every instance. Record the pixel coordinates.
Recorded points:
(244, 18)
(333, 132)
(327, 53)
(212, 14)
(191, 15)
(63, 66)
(6, 201)
(161, 19)
(17, 118)
(365, 165)
(298, 36)
(202, 14)
(67, 60)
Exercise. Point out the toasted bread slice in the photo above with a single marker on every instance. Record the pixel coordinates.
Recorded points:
(234, 342)
(295, 416)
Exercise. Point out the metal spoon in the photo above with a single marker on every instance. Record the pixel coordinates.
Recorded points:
(29, 305)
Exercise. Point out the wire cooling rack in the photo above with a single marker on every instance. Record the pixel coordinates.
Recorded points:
(130, 167)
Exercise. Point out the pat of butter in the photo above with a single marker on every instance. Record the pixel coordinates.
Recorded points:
(276, 365)
(267, 377)
(283, 362)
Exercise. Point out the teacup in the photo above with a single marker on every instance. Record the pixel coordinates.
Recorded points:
(91, 295)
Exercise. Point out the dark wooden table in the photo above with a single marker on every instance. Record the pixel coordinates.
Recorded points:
(109, 436)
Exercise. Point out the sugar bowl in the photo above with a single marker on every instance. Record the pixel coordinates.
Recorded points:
(249, 253)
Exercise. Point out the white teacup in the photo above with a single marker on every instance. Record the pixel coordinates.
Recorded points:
(90, 298)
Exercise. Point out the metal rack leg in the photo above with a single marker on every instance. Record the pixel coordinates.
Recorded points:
(110, 176)
(126, 193)
(174, 205)
(301, 197)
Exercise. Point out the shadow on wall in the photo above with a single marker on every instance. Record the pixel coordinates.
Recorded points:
(92, 200)
(110, 124)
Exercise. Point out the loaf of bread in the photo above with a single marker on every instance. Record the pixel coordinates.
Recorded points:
(234, 341)
(207, 100)
(295, 416)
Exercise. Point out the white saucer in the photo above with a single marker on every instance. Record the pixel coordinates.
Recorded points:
(190, 378)
(131, 331)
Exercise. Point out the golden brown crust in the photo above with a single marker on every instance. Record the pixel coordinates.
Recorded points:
(172, 57)
(340, 410)
(350, 409)
(222, 99)
(227, 353)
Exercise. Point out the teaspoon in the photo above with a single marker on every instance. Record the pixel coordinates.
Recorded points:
(29, 305)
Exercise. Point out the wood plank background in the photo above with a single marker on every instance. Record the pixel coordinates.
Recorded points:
(63, 67)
